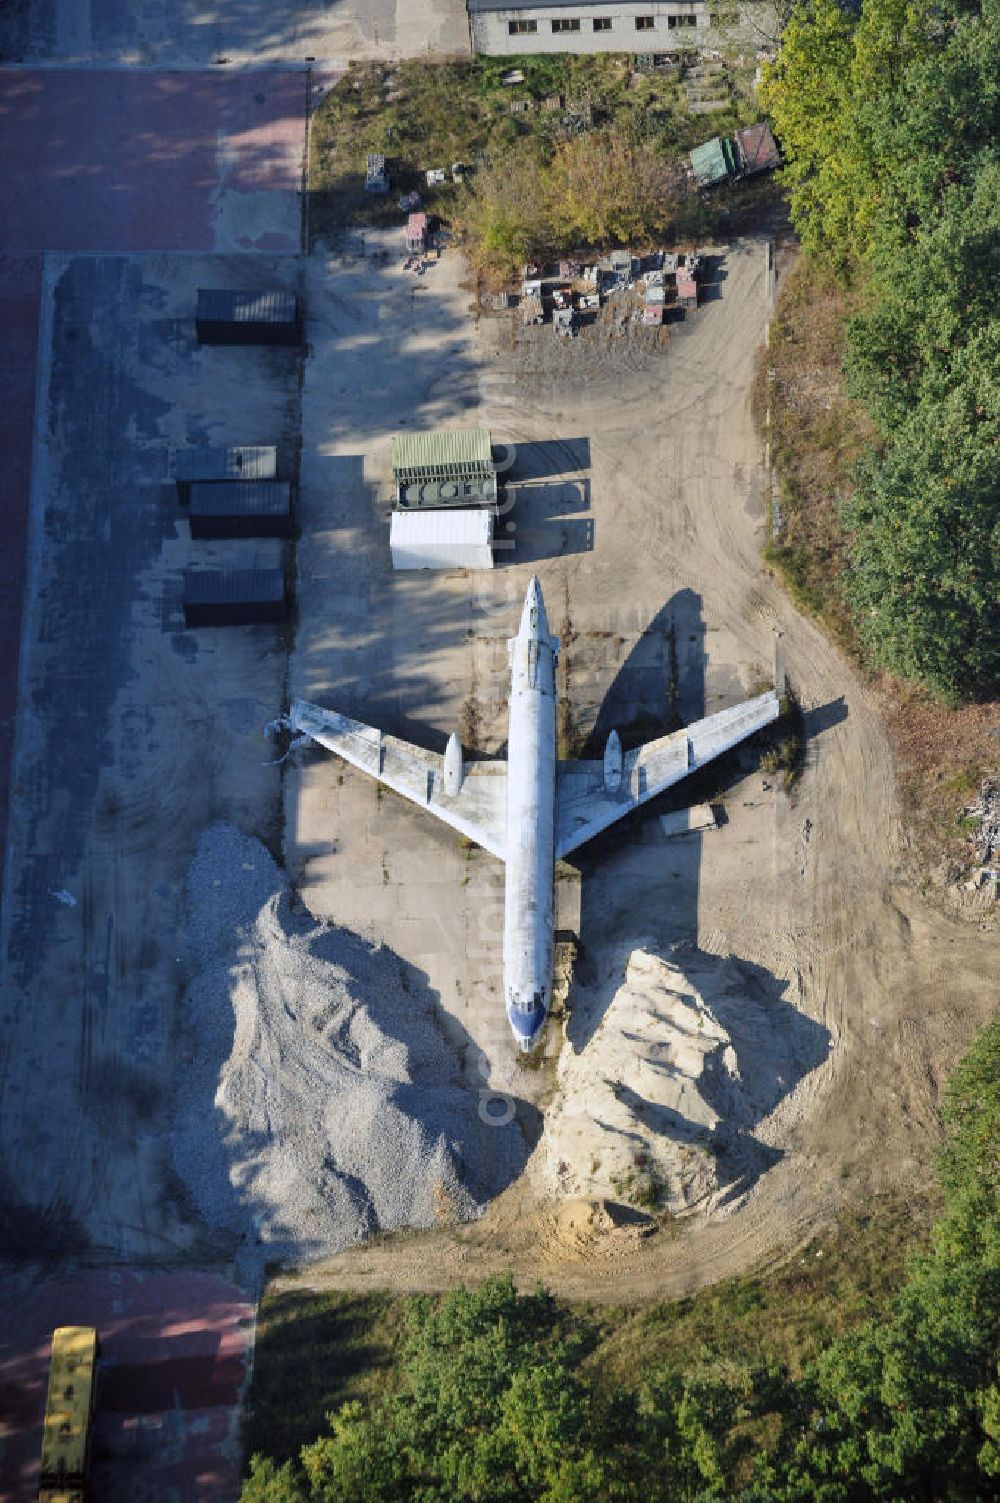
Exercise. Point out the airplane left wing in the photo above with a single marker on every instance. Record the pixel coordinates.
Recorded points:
(477, 809)
(591, 796)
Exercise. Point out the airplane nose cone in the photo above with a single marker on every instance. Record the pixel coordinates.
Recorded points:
(533, 620)
(526, 1024)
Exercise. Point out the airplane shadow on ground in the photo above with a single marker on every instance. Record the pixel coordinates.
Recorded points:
(545, 508)
(640, 890)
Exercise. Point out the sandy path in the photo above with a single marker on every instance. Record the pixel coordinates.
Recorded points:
(810, 889)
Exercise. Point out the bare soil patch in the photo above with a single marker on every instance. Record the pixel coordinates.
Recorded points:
(816, 433)
(943, 754)
(639, 498)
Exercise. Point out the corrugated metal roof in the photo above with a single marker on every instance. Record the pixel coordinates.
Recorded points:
(220, 305)
(241, 498)
(238, 463)
(450, 452)
(455, 526)
(708, 162)
(233, 586)
(757, 148)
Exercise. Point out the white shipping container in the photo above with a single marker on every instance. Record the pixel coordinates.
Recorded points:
(458, 538)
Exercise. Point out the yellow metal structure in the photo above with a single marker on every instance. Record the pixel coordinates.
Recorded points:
(68, 1412)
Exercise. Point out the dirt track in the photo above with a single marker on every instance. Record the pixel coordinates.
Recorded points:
(809, 888)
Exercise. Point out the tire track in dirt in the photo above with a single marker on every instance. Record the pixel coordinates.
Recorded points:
(677, 484)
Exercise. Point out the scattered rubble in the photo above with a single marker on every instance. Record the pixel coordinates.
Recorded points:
(984, 839)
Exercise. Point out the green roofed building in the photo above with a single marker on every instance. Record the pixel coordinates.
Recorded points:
(714, 162)
(447, 468)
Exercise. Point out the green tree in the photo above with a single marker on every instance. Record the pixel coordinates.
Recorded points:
(609, 186)
(926, 547)
(508, 209)
(907, 1408)
(807, 92)
(890, 125)
(268, 1483)
(877, 114)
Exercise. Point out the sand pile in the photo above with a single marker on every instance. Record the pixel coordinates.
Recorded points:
(321, 1103)
(658, 1105)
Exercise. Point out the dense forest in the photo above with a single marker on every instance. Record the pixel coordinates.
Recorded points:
(498, 1398)
(888, 121)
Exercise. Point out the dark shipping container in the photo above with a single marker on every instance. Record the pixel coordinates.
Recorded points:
(234, 597)
(241, 509)
(247, 317)
(194, 465)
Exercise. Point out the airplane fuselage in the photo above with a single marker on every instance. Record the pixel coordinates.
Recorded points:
(529, 893)
(526, 810)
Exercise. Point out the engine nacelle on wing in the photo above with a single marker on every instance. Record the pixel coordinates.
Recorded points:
(453, 768)
(613, 763)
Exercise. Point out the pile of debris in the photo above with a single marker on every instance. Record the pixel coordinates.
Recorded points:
(663, 1105)
(320, 1104)
(984, 839)
(573, 292)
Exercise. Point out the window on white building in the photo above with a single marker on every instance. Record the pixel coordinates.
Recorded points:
(644, 23)
(566, 24)
(602, 23)
(521, 28)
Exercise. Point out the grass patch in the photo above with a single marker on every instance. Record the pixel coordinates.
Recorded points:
(834, 1284)
(315, 1352)
(471, 723)
(942, 755)
(430, 114)
(817, 435)
(785, 751)
(641, 1187)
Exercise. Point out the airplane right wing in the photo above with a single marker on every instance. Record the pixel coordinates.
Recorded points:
(477, 808)
(589, 801)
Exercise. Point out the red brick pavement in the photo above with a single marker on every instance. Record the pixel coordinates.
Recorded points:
(120, 161)
(175, 1353)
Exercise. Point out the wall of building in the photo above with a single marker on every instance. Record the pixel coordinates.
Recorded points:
(491, 31)
(747, 26)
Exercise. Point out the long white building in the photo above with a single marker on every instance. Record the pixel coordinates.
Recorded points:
(500, 26)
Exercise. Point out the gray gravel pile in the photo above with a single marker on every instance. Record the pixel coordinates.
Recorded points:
(321, 1103)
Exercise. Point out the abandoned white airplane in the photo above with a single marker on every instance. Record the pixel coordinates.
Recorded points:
(531, 809)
